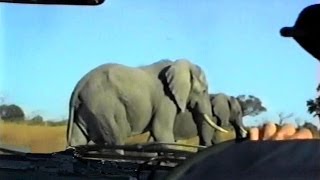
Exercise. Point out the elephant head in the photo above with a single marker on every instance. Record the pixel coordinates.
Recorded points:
(188, 86)
(227, 110)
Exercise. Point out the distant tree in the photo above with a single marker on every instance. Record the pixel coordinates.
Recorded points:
(35, 114)
(298, 121)
(313, 105)
(283, 117)
(11, 112)
(309, 125)
(36, 120)
(251, 105)
(62, 122)
(56, 123)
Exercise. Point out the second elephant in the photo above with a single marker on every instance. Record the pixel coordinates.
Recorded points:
(227, 112)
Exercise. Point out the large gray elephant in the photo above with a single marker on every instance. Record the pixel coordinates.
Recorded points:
(227, 113)
(114, 101)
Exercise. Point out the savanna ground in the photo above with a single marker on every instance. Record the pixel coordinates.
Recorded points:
(47, 139)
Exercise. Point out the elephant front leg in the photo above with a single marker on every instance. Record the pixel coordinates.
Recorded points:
(206, 134)
(150, 139)
(162, 125)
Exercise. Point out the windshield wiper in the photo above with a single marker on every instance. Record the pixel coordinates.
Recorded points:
(134, 153)
(6, 149)
(142, 148)
(147, 147)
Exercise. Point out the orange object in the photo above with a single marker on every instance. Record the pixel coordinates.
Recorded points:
(269, 130)
(287, 130)
(303, 133)
(254, 134)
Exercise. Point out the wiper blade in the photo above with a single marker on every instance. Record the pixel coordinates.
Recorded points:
(136, 152)
(6, 149)
(147, 147)
(9, 151)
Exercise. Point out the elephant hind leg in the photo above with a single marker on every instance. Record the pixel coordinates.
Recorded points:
(102, 128)
(78, 136)
(150, 138)
(110, 132)
(101, 125)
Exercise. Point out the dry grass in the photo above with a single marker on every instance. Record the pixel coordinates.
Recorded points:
(46, 139)
(39, 138)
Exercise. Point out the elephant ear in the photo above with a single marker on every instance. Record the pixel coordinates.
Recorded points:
(219, 105)
(178, 78)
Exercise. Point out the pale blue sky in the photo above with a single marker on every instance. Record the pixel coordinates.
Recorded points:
(47, 49)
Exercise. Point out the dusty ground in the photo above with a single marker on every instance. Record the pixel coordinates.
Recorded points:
(46, 139)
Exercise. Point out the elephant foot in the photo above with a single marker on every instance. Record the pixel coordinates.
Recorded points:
(144, 154)
(163, 154)
(119, 151)
(91, 143)
(151, 154)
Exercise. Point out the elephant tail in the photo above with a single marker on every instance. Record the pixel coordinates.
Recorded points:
(70, 119)
(75, 99)
(69, 127)
(74, 104)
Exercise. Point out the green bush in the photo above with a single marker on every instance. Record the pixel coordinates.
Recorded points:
(11, 113)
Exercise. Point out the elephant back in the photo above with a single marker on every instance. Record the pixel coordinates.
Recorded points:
(85, 78)
(156, 67)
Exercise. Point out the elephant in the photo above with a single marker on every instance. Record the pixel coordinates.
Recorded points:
(113, 102)
(227, 113)
(227, 110)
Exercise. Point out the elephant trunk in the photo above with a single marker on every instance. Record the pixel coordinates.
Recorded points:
(239, 127)
(212, 124)
(243, 132)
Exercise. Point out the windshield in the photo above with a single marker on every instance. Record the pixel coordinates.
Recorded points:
(46, 50)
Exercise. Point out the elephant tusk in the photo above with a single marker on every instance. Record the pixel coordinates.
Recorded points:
(214, 125)
(243, 131)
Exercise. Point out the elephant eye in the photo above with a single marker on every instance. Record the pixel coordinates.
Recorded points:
(205, 90)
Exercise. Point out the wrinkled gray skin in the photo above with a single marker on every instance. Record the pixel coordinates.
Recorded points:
(226, 112)
(236, 116)
(114, 101)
